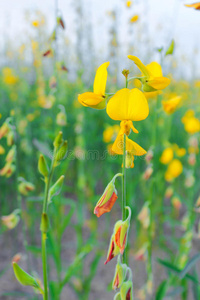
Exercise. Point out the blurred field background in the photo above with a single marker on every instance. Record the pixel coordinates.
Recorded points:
(49, 54)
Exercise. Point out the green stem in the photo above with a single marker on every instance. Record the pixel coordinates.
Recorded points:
(124, 189)
(44, 231)
(44, 265)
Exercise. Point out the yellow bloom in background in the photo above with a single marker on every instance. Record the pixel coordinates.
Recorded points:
(152, 79)
(110, 133)
(180, 152)
(175, 168)
(191, 124)
(35, 23)
(128, 3)
(96, 99)
(167, 156)
(8, 76)
(134, 19)
(2, 150)
(172, 104)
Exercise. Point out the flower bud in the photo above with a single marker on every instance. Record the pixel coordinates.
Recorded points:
(4, 129)
(25, 187)
(113, 250)
(144, 216)
(23, 277)
(56, 188)
(11, 221)
(58, 140)
(148, 172)
(121, 232)
(108, 198)
(126, 291)
(62, 151)
(7, 170)
(61, 119)
(10, 138)
(176, 203)
(120, 274)
(42, 166)
(11, 155)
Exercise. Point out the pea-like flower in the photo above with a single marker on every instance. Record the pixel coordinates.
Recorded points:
(152, 79)
(108, 198)
(97, 98)
(118, 239)
(120, 274)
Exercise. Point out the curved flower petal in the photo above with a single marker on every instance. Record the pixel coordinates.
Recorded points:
(131, 146)
(128, 105)
(99, 86)
(140, 65)
(159, 83)
(90, 99)
(155, 69)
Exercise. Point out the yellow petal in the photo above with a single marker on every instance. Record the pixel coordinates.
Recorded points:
(100, 79)
(159, 83)
(194, 5)
(128, 105)
(140, 65)
(155, 69)
(170, 105)
(90, 99)
(131, 146)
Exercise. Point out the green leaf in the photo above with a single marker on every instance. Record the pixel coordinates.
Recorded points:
(176, 270)
(162, 289)
(189, 265)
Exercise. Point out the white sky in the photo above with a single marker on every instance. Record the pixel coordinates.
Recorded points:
(160, 21)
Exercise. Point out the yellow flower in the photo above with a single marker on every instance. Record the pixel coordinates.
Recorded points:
(174, 169)
(134, 19)
(36, 23)
(167, 156)
(96, 99)
(128, 3)
(191, 124)
(8, 76)
(180, 152)
(127, 106)
(110, 132)
(152, 79)
(171, 105)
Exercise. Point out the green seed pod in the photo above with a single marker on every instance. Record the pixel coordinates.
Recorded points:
(56, 188)
(42, 166)
(62, 151)
(58, 140)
